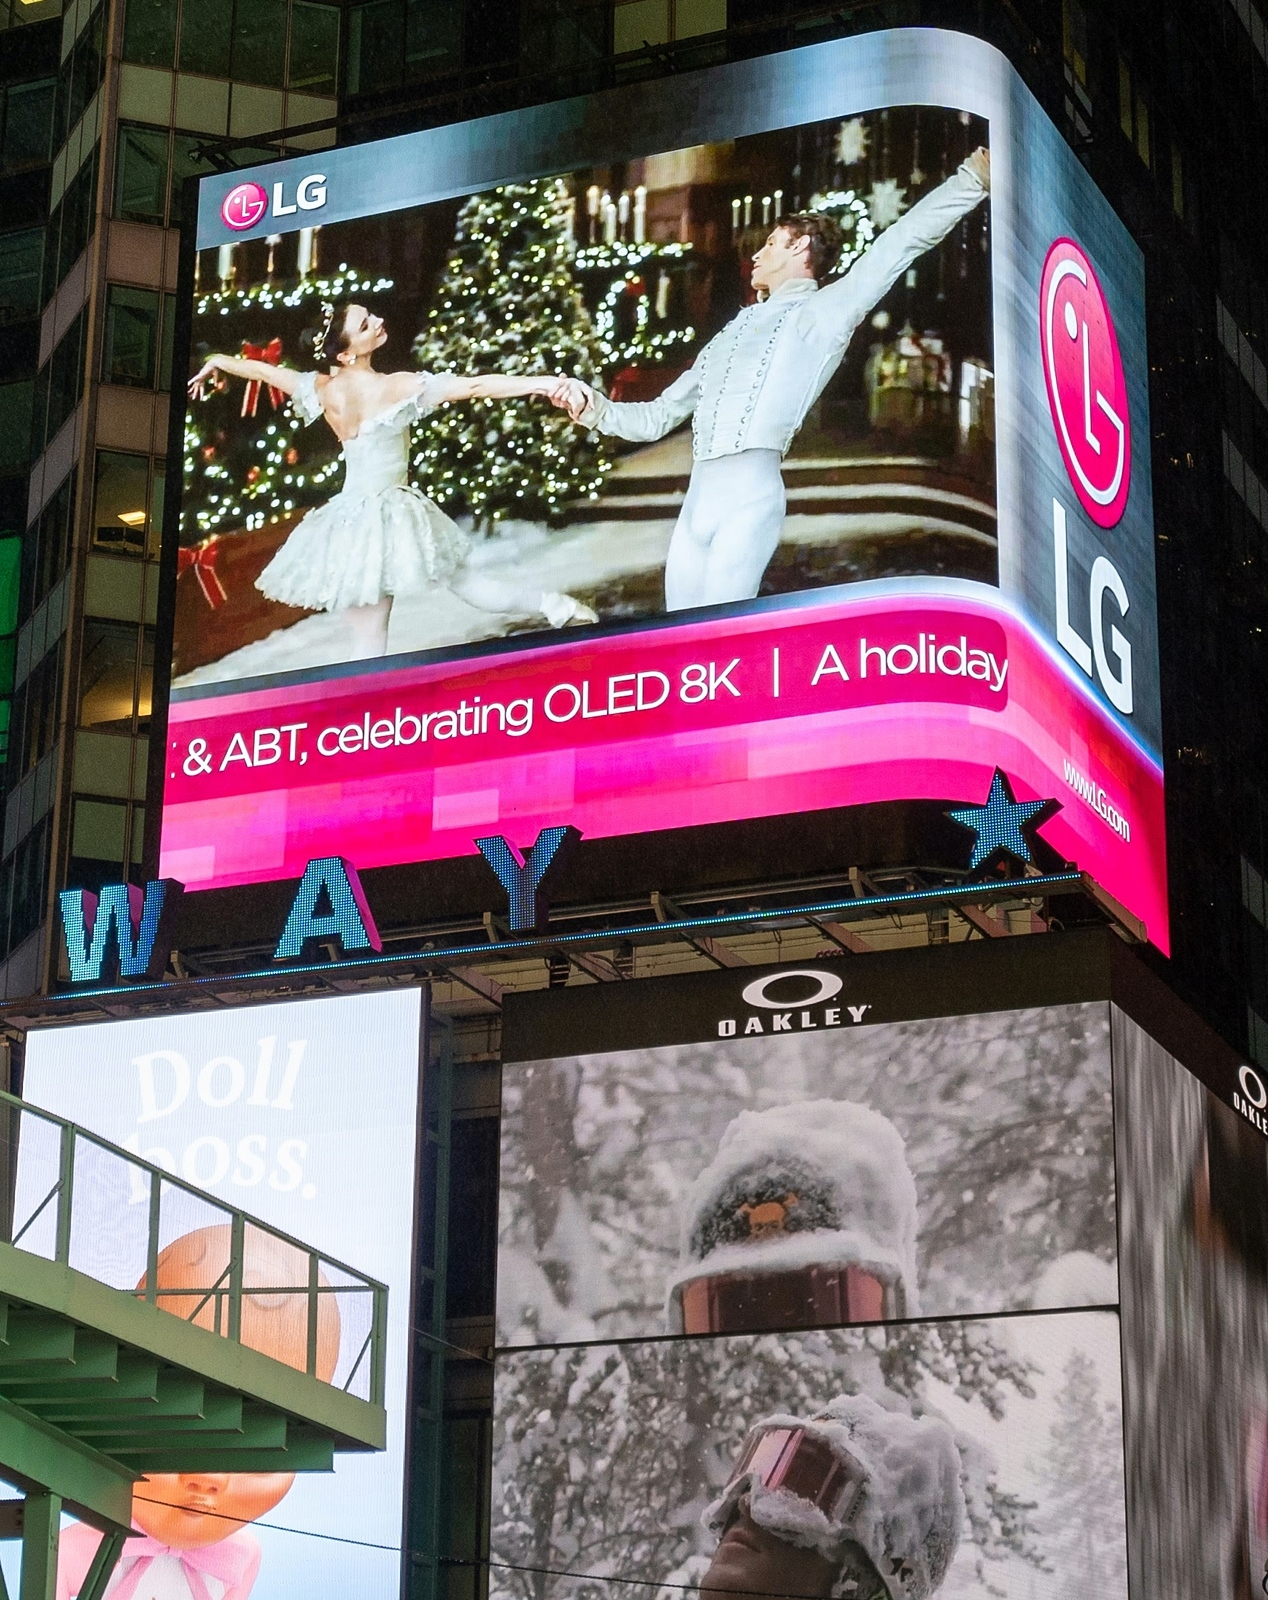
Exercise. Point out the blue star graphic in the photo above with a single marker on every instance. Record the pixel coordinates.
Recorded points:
(1002, 823)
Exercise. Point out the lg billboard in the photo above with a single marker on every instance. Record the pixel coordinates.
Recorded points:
(771, 439)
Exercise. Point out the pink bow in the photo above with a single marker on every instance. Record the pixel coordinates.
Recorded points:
(223, 1561)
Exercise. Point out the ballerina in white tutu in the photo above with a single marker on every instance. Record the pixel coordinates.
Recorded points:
(380, 536)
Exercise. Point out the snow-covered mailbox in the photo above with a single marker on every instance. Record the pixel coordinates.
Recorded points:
(921, 1273)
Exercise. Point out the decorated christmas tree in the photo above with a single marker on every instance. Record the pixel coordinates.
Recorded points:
(508, 303)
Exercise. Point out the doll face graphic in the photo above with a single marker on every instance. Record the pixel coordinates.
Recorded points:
(188, 1510)
(274, 1300)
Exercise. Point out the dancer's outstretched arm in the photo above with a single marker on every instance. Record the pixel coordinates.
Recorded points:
(444, 388)
(284, 378)
(841, 305)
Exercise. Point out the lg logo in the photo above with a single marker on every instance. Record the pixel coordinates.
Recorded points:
(1087, 395)
(247, 204)
(1086, 390)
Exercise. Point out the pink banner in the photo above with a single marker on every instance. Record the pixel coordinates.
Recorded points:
(911, 695)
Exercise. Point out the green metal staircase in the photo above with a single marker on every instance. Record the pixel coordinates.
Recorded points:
(101, 1383)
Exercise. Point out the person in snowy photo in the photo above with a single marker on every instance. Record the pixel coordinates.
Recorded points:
(380, 536)
(855, 1501)
(752, 386)
(805, 1218)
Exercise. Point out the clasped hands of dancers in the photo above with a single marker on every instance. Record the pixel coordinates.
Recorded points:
(747, 392)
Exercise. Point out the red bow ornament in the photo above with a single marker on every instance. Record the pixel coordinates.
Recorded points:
(272, 353)
(202, 558)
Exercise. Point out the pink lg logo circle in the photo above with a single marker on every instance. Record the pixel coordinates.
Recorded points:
(1084, 375)
(244, 206)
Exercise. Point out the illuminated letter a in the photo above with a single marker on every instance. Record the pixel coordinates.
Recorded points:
(349, 919)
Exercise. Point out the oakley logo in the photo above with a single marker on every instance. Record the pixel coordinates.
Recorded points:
(827, 985)
(244, 206)
(1253, 1099)
(779, 1012)
(1087, 393)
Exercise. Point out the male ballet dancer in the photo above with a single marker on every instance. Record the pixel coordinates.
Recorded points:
(752, 385)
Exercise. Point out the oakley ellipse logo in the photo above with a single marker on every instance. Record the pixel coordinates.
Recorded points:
(1086, 389)
(244, 206)
(826, 986)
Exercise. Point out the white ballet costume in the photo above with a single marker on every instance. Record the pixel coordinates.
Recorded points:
(380, 536)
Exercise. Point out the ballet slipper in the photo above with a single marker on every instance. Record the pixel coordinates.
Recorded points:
(560, 610)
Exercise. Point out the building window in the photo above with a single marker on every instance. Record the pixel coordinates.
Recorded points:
(149, 32)
(10, 582)
(136, 347)
(1074, 40)
(27, 115)
(71, 225)
(278, 43)
(59, 384)
(16, 400)
(46, 547)
(21, 257)
(1177, 181)
(636, 23)
(151, 167)
(115, 676)
(128, 503)
(99, 831)
(1133, 113)
(314, 52)
(140, 179)
(81, 75)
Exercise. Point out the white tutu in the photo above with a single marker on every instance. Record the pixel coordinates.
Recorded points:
(379, 535)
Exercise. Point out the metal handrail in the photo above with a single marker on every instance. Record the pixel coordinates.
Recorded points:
(227, 1297)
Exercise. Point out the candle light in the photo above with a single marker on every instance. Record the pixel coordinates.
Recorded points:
(609, 219)
(735, 218)
(748, 210)
(623, 211)
(592, 209)
(765, 211)
(662, 296)
(779, 204)
(226, 267)
(273, 240)
(640, 214)
(306, 259)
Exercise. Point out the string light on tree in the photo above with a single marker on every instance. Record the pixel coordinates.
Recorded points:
(509, 303)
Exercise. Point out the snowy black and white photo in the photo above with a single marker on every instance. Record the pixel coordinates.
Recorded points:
(984, 1458)
(950, 1166)
(1194, 1200)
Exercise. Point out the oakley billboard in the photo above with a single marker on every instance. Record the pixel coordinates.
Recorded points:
(768, 440)
(805, 1290)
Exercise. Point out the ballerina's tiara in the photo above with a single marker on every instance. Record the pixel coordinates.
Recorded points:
(327, 318)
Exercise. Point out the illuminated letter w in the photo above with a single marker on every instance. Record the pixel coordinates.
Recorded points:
(120, 925)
